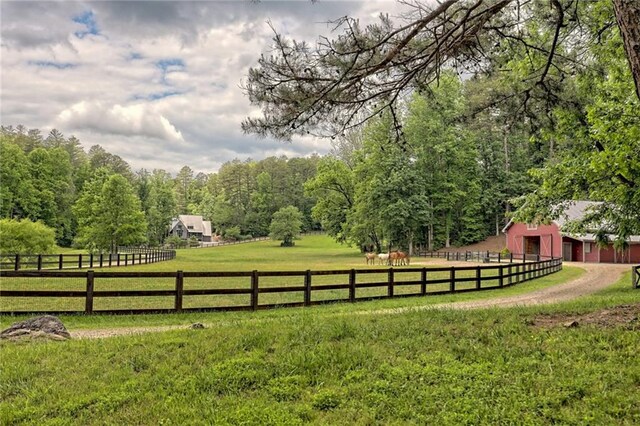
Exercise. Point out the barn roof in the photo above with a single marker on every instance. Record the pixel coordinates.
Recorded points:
(575, 210)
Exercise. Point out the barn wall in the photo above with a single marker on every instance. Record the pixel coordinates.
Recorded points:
(635, 253)
(550, 240)
(593, 256)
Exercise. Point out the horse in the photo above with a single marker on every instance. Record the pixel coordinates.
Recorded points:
(370, 257)
(398, 258)
(384, 258)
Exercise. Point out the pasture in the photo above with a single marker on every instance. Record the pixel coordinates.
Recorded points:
(324, 366)
(314, 252)
(333, 364)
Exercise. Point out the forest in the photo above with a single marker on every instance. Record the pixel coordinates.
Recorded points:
(444, 163)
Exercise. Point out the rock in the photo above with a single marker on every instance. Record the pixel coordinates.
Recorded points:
(45, 327)
(197, 325)
(571, 324)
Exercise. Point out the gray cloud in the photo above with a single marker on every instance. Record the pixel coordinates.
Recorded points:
(154, 82)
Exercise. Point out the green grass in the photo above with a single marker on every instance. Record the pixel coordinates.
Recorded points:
(312, 252)
(430, 367)
(328, 365)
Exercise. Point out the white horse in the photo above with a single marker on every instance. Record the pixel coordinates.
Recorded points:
(384, 258)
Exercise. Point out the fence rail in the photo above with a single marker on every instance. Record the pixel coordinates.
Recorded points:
(431, 281)
(635, 276)
(483, 256)
(41, 262)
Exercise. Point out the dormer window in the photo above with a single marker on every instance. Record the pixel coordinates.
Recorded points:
(189, 226)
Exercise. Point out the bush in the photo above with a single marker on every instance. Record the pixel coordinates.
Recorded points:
(232, 233)
(176, 242)
(26, 237)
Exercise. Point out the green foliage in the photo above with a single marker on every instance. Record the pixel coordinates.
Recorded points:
(25, 237)
(286, 225)
(176, 242)
(109, 214)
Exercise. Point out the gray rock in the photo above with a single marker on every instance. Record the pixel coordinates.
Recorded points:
(197, 325)
(45, 327)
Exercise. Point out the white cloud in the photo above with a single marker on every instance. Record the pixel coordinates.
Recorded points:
(132, 120)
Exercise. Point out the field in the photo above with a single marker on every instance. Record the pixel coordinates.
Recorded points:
(335, 364)
(315, 252)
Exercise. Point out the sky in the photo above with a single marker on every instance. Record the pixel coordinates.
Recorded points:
(155, 82)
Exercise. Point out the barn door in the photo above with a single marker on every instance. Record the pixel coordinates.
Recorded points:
(566, 251)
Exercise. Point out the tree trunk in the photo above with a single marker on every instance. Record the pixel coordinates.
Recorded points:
(628, 17)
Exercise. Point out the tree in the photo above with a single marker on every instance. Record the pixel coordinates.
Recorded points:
(25, 237)
(17, 193)
(350, 79)
(109, 214)
(286, 225)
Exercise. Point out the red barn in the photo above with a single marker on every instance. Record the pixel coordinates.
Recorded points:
(549, 240)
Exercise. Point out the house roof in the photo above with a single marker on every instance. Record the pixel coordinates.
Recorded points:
(195, 222)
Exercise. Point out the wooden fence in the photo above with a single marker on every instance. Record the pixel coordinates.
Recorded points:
(41, 262)
(635, 276)
(483, 256)
(452, 279)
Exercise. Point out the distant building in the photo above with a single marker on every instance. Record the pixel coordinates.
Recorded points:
(550, 240)
(187, 226)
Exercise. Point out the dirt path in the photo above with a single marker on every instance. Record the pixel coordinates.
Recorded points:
(597, 277)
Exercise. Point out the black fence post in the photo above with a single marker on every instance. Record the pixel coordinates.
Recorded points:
(390, 285)
(101, 259)
(88, 306)
(17, 264)
(501, 275)
(179, 291)
(39, 262)
(352, 285)
(510, 257)
(478, 280)
(452, 278)
(423, 281)
(79, 261)
(307, 288)
(60, 261)
(91, 260)
(118, 259)
(254, 290)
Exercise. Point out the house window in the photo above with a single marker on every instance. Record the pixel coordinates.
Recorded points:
(532, 226)
(180, 233)
(587, 247)
(190, 227)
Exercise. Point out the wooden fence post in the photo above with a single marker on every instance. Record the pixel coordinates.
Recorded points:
(88, 306)
(423, 280)
(390, 285)
(254, 290)
(39, 262)
(16, 266)
(91, 260)
(118, 259)
(352, 285)
(501, 275)
(510, 257)
(452, 278)
(101, 259)
(60, 262)
(478, 280)
(307, 288)
(79, 261)
(179, 291)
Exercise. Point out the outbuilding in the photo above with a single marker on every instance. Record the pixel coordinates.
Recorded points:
(550, 240)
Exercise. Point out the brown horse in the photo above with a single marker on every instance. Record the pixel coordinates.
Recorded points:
(398, 258)
(370, 258)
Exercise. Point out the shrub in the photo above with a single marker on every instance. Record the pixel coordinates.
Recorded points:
(175, 241)
(26, 237)
(232, 233)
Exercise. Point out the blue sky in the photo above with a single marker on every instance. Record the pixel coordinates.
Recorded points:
(156, 82)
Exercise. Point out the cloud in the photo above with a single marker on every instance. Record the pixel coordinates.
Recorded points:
(156, 82)
(132, 120)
